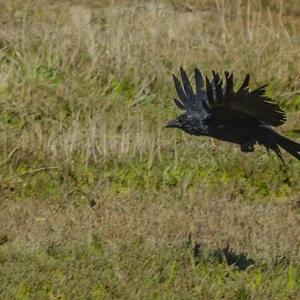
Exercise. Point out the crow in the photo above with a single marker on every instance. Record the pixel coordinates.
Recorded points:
(242, 117)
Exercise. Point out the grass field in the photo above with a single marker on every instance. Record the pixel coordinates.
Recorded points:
(98, 199)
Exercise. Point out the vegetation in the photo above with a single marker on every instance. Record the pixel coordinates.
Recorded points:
(98, 199)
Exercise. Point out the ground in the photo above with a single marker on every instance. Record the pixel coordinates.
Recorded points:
(98, 199)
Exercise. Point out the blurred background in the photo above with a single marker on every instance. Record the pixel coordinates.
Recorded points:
(98, 199)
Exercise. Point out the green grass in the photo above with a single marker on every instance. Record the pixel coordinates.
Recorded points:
(101, 272)
(98, 199)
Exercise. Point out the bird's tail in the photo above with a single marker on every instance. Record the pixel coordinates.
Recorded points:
(271, 140)
(288, 145)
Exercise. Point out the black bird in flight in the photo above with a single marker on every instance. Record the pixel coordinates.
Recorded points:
(242, 117)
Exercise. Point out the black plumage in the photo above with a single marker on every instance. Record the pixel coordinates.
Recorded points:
(242, 117)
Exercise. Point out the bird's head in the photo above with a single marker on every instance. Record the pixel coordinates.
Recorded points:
(179, 122)
(186, 122)
(192, 123)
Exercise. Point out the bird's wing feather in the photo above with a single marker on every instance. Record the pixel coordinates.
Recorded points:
(187, 98)
(252, 104)
(223, 102)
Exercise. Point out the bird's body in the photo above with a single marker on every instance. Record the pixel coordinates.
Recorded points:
(243, 117)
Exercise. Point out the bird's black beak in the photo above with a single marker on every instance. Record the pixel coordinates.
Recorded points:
(172, 124)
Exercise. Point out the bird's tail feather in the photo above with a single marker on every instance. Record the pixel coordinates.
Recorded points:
(271, 140)
(288, 145)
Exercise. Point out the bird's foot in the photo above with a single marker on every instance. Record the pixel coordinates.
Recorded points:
(248, 147)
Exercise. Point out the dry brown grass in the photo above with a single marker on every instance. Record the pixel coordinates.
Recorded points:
(264, 231)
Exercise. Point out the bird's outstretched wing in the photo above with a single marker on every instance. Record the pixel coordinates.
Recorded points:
(187, 98)
(224, 102)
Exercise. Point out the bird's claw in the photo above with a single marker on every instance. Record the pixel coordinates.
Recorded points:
(248, 147)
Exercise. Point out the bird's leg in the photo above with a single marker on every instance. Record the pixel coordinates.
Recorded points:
(248, 147)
